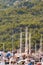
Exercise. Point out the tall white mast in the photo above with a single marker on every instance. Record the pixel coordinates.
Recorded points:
(3, 46)
(30, 43)
(20, 42)
(35, 48)
(41, 43)
(26, 43)
(12, 43)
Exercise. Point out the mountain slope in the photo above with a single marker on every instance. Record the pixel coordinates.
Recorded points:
(26, 13)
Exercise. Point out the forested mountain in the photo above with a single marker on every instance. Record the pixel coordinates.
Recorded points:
(16, 14)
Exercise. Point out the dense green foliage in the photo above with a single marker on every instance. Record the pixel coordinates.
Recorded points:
(12, 18)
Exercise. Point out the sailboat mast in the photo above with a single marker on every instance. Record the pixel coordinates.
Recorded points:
(41, 43)
(29, 43)
(35, 48)
(26, 43)
(20, 42)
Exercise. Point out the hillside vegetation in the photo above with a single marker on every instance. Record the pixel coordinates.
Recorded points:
(12, 18)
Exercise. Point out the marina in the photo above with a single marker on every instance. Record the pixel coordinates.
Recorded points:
(23, 58)
(21, 32)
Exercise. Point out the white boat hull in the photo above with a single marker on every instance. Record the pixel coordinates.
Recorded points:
(2, 63)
